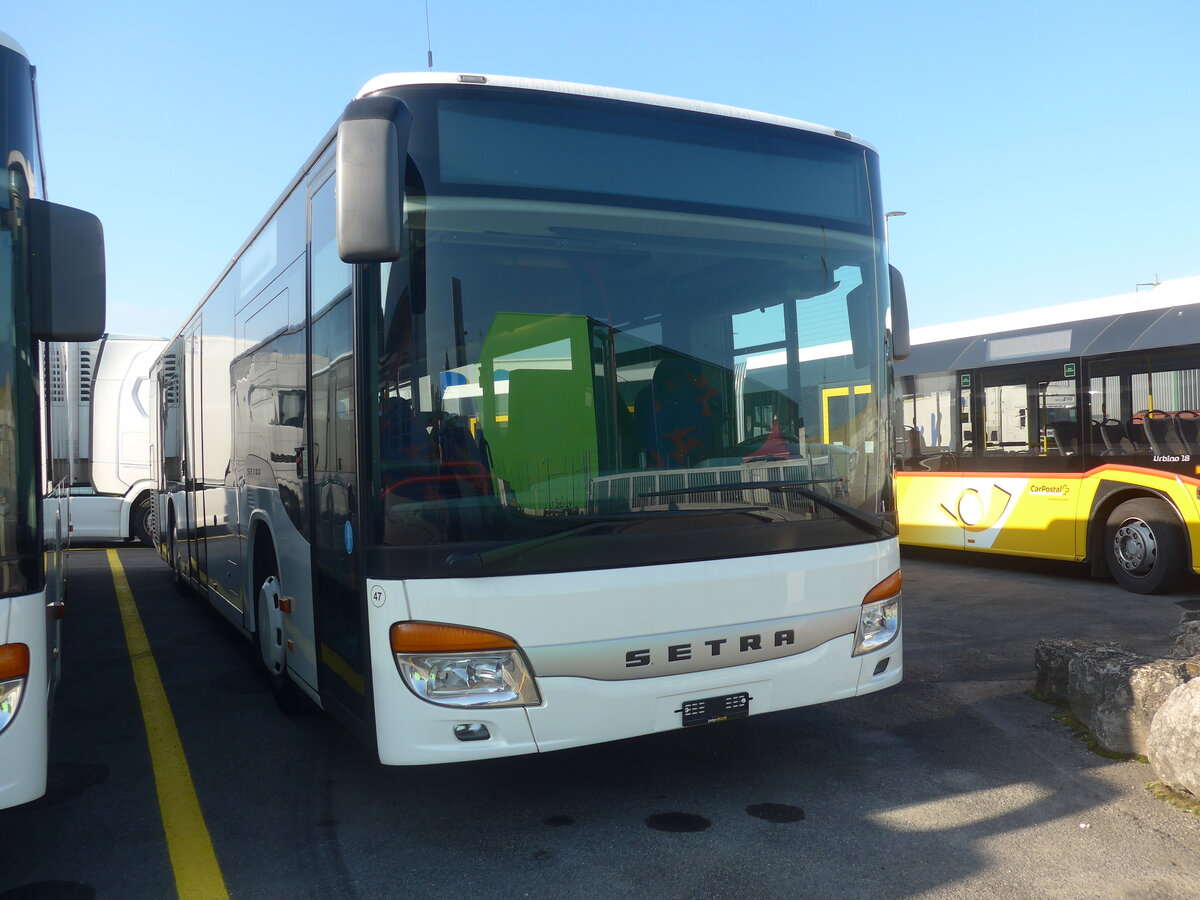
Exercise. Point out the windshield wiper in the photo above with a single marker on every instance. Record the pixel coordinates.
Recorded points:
(464, 563)
(869, 522)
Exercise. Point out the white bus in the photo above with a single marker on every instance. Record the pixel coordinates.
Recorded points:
(498, 433)
(51, 289)
(103, 387)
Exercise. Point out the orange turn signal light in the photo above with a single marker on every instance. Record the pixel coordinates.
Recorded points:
(14, 661)
(434, 637)
(889, 587)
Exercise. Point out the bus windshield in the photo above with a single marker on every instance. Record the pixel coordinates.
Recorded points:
(627, 338)
(20, 549)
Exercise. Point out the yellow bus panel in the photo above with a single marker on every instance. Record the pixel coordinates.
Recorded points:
(1039, 514)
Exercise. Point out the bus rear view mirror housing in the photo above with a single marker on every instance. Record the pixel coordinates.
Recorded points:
(901, 335)
(66, 272)
(858, 307)
(372, 146)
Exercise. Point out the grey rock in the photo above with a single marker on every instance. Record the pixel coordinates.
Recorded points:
(1051, 661)
(1185, 639)
(1174, 745)
(1116, 693)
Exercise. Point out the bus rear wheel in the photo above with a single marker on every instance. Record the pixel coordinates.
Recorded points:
(272, 646)
(1143, 546)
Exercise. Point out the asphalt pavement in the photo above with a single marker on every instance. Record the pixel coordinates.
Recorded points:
(955, 784)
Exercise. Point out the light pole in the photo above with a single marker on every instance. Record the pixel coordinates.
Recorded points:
(886, 216)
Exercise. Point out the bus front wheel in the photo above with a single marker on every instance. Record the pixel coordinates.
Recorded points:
(142, 522)
(1143, 546)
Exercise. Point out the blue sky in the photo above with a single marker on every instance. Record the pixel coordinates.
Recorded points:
(1045, 152)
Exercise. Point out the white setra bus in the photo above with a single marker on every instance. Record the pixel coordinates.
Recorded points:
(51, 289)
(500, 434)
(103, 388)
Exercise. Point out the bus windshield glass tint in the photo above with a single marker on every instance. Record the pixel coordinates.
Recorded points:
(626, 338)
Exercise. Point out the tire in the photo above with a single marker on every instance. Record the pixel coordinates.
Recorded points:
(272, 648)
(1144, 547)
(141, 521)
(181, 582)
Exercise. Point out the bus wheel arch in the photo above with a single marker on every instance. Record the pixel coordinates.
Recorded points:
(1143, 543)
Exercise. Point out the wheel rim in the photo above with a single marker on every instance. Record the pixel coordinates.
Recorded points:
(1135, 547)
(270, 625)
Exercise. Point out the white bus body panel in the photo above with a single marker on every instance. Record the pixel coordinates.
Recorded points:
(24, 744)
(589, 608)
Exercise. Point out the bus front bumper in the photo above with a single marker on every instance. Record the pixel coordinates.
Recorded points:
(580, 711)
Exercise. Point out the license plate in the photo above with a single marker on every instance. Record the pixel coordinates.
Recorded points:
(715, 709)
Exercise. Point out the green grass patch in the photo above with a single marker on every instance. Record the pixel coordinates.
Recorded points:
(1186, 802)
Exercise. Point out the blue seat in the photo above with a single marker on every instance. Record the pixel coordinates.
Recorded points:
(678, 416)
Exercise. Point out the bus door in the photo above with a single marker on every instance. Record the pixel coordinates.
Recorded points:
(338, 591)
(935, 450)
(1027, 487)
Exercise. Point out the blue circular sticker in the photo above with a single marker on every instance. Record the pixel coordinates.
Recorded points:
(348, 535)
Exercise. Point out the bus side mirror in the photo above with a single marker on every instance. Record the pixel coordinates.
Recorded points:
(372, 146)
(66, 272)
(901, 337)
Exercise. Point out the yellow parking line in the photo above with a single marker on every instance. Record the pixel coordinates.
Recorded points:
(193, 860)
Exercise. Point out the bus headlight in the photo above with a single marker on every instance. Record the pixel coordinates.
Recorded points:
(14, 671)
(879, 618)
(466, 668)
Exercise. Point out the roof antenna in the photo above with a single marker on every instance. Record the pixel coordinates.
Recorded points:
(428, 37)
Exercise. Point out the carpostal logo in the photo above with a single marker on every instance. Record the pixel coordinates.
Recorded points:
(974, 512)
(1058, 490)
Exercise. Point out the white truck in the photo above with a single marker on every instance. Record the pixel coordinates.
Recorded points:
(108, 395)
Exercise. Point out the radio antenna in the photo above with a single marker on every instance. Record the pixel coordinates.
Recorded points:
(428, 38)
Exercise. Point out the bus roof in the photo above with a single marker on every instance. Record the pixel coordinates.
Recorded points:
(1165, 294)
(383, 82)
(9, 42)
(1133, 321)
(402, 79)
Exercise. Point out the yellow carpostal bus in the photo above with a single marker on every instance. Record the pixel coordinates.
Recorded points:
(1070, 432)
